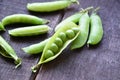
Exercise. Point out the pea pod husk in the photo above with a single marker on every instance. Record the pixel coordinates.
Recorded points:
(7, 51)
(35, 48)
(29, 31)
(84, 29)
(66, 27)
(50, 6)
(96, 30)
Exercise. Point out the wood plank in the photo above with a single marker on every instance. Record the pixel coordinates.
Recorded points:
(101, 62)
(7, 71)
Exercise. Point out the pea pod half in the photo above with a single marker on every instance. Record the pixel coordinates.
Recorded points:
(84, 29)
(50, 6)
(29, 31)
(58, 42)
(96, 30)
(7, 51)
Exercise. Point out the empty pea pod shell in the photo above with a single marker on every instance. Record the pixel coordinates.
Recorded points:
(50, 6)
(96, 30)
(29, 31)
(35, 48)
(84, 30)
(48, 54)
(7, 51)
(23, 18)
(1, 27)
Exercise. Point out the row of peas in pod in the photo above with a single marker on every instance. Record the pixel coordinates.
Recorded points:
(74, 30)
(38, 24)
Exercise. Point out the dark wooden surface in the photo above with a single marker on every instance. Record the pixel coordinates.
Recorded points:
(101, 62)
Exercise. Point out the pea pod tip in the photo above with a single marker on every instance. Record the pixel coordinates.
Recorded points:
(18, 62)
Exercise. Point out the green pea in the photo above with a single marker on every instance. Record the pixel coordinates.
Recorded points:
(36, 48)
(59, 42)
(96, 30)
(63, 36)
(54, 48)
(84, 30)
(70, 34)
(50, 6)
(1, 27)
(29, 31)
(7, 51)
(48, 54)
(76, 30)
(23, 18)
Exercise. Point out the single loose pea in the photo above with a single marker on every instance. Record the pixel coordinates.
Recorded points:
(23, 18)
(48, 54)
(29, 31)
(96, 30)
(59, 42)
(70, 34)
(7, 51)
(54, 48)
(50, 6)
(1, 27)
(84, 30)
(63, 36)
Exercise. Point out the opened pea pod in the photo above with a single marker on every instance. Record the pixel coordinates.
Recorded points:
(58, 42)
(50, 6)
(7, 51)
(29, 31)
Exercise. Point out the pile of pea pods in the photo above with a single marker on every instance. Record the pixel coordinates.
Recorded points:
(76, 30)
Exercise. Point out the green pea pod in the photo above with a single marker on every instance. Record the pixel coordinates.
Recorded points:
(7, 51)
(29, 31)
(58, 42)
(96, 30)
(1, 27)
(84, 29)
(50, 6)
(23, 18)
(35, 48)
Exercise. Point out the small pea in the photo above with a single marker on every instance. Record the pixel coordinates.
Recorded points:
(59, 42)
(63, 36)
(48, 54)
(70, 34)
(54, 47)
(76, 30)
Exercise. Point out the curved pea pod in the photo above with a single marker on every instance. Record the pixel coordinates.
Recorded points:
(2, 27)
(96, 30)
(50, 6)
(23, 18)
(35, 48)
(56, 44)
(29, 31)
(84, 30)
(7, 51)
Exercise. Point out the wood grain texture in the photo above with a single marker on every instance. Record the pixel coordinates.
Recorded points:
(7, 71)
(101, 62)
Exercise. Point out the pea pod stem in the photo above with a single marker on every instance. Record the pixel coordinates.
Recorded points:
(8, 51)
(2, 27)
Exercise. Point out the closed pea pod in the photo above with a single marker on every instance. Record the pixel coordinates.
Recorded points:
(52, 40)
(84, 30)
(96, 30)
(23, 18)
(29, 31)
(50, 6)
(7, 51)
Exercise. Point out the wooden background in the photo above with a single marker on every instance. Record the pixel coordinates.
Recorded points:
(101, 62)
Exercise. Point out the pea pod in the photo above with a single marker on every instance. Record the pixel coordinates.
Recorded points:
(59, 44)
(23, 18)
(7, 51)
(84, 29)
(96, 30)
(50, 6)
(29, 31)
(1, 26)
(35, 48)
